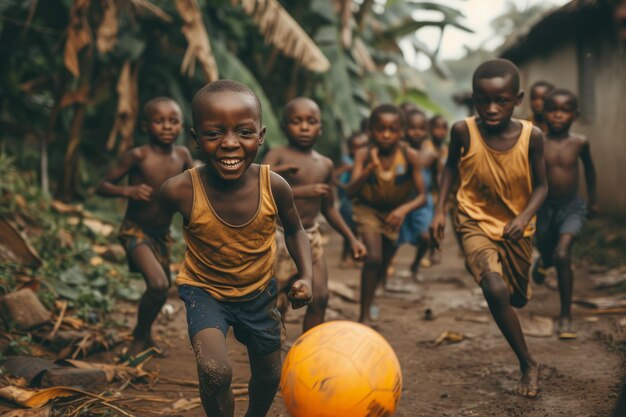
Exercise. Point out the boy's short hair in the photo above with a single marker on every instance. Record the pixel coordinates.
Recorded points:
(291, 102)
(561, 92)
(542, 83)
(353, 136)
(145, 112)
(497, 68)
(224, 86)
(434, 119)
(415, 112)
(389, 109)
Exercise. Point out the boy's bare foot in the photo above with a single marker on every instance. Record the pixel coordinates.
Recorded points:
(529, 384)
(565, 330)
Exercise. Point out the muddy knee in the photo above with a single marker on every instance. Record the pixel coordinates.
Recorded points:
(373, 261)
(214, 375)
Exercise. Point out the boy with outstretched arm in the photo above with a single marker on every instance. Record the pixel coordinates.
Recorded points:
(562, 215)
(229, 207)
(386, 185)
(499, 162)
(538, 92)
(145, 231)
(312, 185)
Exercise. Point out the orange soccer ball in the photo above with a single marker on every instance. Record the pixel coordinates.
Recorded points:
(341, 369)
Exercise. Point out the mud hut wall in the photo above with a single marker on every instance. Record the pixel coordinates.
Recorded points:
(605, 125)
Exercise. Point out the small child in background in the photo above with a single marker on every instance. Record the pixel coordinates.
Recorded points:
(537, 93)
(312, 185)
(144, 233)
(561, 217)
(414, 230)
(386, 185)
(341, 177)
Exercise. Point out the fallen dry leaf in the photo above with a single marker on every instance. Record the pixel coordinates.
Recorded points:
(448, 337)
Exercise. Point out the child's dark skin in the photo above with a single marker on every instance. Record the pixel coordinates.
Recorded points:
(355, 143)
(312, 184)
(537, 94)
(416, 134)
(562, 151)
(148, 167)
(495, 100)
(228, 134)
(386, 132)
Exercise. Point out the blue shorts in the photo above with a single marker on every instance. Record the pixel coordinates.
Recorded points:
(416, 223)
(558, 217)
(345, 208)
(256, 322)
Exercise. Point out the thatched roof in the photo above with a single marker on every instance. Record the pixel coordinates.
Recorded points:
(552, 28)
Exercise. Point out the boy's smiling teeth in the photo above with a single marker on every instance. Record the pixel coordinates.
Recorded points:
(230, 163)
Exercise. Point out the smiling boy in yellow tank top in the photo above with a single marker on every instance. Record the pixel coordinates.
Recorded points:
(499, 162)
(230, 207)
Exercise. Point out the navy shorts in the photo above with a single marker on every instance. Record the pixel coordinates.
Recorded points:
(557, 217)
(256, 322)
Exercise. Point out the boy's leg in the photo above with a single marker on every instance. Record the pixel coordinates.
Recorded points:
(316, 311)
(151, 302)
(563, 264)
(370, 273)
(264, 382)
(422, 248)
(214, 372)
(498, 298)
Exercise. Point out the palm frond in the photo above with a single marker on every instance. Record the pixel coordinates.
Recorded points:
(284, 33)
(199, 46)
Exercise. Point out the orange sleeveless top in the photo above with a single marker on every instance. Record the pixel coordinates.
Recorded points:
(495, 186)
(387, 189)
(230, 262)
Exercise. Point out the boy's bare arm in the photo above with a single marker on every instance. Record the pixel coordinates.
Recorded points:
(459, 140)
(337, 174)
(296, 240)
(396, 217)
(108, 185)
(515, 228)
(360, 172)
(334, 218)
(590, 178)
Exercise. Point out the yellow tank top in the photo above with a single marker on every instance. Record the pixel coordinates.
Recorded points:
(230, 262)
(495, 186)
(387, 189)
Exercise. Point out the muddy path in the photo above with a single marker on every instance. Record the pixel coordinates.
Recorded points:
(475, 377)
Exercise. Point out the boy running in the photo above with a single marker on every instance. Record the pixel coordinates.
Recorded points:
(538, 92)
(414, 230)
(312, 184)
(230, 206)
(386, 175)
(145, 230)
(499, 162)
(341, 178)
(562, 215)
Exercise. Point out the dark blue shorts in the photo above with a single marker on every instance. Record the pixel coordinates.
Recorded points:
(555, 218)
(256, 322)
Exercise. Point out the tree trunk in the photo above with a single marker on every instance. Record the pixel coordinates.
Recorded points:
(68, 186)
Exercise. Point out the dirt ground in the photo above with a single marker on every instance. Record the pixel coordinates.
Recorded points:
(475, 377)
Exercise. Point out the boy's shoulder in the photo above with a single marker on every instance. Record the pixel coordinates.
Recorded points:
(182, 150)
(579, 138)
(177, 186)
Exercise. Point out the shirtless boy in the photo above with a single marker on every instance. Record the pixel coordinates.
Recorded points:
(145, 231)
(310, 175)
(561, 217)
